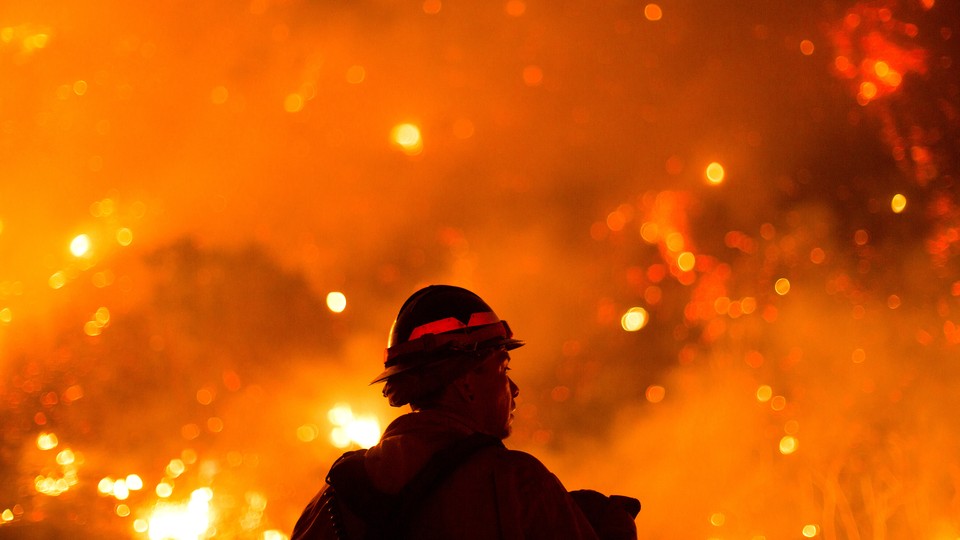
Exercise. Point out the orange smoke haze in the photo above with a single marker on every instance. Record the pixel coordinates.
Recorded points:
(728, 233)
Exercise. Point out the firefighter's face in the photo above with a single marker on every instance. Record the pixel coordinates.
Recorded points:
(495, 393)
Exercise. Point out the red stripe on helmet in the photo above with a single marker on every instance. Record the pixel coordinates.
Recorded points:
(452, 323)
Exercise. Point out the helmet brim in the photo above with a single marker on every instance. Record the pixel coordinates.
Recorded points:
(412, 362)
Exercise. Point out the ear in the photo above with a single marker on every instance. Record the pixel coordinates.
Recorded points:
(462, 388)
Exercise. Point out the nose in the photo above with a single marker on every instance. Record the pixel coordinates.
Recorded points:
(514, 389)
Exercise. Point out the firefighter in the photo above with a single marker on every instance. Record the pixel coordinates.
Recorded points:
(442, 471)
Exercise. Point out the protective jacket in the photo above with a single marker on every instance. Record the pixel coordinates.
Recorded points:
(491, 493)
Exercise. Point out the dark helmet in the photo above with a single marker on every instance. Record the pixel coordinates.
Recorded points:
(440, 323)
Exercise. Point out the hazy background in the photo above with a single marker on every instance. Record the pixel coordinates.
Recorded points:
(232, 163)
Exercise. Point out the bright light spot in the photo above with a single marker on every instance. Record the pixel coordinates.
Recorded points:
(47, 441)
(868, 90)
(652, 12)
(893, 78)
(274, 534)
(788, 445)
(134, 482)
(655, 393)
(6, 315)
(634, 319)
(141, 525)
(80, 246)
(349, 429)
(336, 301)
(764, 393)
(340, 414)
(407, 137)
(806, 47)
(80, 87)
(124, 236)
(715, 173)
(898, 203)
(782, 286)
(66, 457)
(717, 519)
(123, 510)
(164, 489)
(120, 489)
(686, 261)
(293, 103)
(102, 316)
(179, 521)
(105, 486)
(809, 531)
(339, 437)
(7, 515)
(50, 486)
(175, 468)
(91, 328)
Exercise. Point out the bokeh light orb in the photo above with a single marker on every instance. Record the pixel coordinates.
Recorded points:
(634, 319)
(408, 138)
(715, 173)
(336, 301)
(80, 245)
(898, 203)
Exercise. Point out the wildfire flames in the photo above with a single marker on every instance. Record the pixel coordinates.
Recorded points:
(728, 232)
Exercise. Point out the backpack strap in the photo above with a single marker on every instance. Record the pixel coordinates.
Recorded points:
(388, 515)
